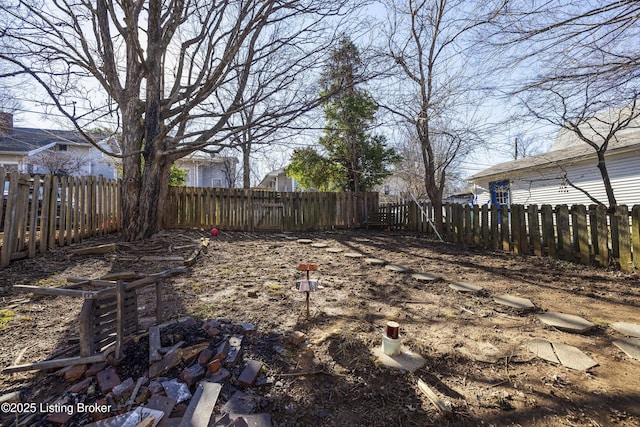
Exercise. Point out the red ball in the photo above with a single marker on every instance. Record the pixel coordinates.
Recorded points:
(214, 231)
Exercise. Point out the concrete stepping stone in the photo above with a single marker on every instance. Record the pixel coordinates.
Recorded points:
(543, 349)
(564, 354)
(628, 329)
(406, 360)
(426, 277)
(514, 302)
(353, 255)
(334, 250)
(465, 287)
(397, 268)
(305, 241)
(319, 245)
(566, 322)
(375, 261)
(630, 346)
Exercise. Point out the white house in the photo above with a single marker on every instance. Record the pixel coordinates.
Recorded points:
(545, 178)
(278, 180)
(38, 151)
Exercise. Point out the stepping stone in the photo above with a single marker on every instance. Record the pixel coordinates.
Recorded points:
(426, 277)
(397, 268)
(362, 239)
(573, 358)
(353, 255)
(566, 322)
(465, 287)
(375, 261)
(543, 349)
(628, 329)
(319, 245)
(304, 241)
(564, 354)
(406, 361)
(334, 250)
(631, 347)
(514, 302)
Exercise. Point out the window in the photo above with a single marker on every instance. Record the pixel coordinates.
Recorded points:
(499, 192)
(62, 147)
(216, 183)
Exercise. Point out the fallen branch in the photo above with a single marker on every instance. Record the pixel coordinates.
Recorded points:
(439, 404)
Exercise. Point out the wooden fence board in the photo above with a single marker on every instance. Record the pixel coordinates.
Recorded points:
(564, 232)
(635, 235)
(624, 238)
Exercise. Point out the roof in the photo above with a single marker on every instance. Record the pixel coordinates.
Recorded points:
(625, 141)
(28, 139)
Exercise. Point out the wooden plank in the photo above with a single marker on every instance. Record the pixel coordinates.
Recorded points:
(120, 293)
(624, 238)
(47, 220)
(433, 398)
(33, 217)
(581, 233)
(10, 229)
(201, 406)
(504, 227)
(495, 229)
(564, 232)
(86, 329)
(635, 235)
(535, 237)
(154, 344)
(54, 208)
(57, 291)
(56, 363)
(516, 227)
(548, 231)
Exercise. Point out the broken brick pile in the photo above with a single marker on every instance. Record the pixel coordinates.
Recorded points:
(193, 360)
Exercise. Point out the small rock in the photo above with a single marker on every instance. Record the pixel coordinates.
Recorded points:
(205, 356)
(123, 388)
(297, 337)
(107, 380)
(192, 374)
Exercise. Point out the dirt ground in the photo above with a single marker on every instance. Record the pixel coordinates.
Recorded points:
(249, 277)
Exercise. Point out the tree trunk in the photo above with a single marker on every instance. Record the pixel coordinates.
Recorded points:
(602, 166)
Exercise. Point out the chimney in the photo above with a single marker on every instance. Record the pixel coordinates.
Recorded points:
(6, 124)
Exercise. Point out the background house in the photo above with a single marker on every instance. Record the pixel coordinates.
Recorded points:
(542, 179)
(278, 180)
(43, 151)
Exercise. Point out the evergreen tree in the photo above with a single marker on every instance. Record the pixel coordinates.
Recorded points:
(355, 160)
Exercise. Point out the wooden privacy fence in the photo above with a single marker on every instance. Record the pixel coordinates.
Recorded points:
(41, 212)
(585, 234)
(261, 210)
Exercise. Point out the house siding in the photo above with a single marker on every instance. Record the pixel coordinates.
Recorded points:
(545, 185)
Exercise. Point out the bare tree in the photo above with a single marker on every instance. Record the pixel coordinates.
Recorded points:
(587, 68)
(437, 92)
(61, 163)
(173, 74)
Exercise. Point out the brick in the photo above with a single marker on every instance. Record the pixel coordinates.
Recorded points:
(219, 376)
(82, 386)
(192, 374)
(250, 373)
(214, 366)
(107, 380)
(297, 337)
(97, 415)
(74, 373)
(213, 332)
(94, 369)
(123, 388)
(205, 356)
(188, 321)
(60, 418)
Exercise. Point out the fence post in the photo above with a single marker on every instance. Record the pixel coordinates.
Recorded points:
(635, 235)
(602, 236)
(624, 238)
(486, 242)
(548, 235)
(580, 233)
(475, 214)
(534, 230)
(504, 227)
(564, 231)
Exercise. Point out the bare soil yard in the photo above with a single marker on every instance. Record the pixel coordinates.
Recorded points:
(335, 380)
